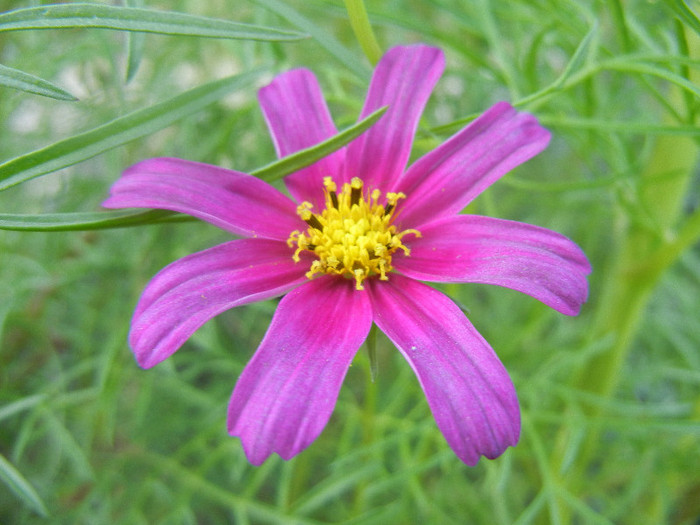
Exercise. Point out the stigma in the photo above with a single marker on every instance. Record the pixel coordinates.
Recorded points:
(354, 236)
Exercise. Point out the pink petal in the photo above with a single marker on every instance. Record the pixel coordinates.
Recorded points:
(298, 118)
(286, 394)
(187, 293)
(448, 178)
(403, 80)
(474, 249)
(468, 389)
(231, 200)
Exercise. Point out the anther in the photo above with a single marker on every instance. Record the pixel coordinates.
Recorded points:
(355, 190)
(314, 222)
(331, 189)
(304, 211)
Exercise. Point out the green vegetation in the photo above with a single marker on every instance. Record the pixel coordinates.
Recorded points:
(610, 399)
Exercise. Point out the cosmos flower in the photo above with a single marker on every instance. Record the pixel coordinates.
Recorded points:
(350, 247)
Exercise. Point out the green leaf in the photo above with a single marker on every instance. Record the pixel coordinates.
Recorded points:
(359, 21)
(300, 159)
(86, 220)
(123, 218)
(65, 16)
(325, 39)
(560, 83)
(371, 343)
(612, 126)
(579, 56)
(16, 79)
(573, 65)
(134, 46)
(117, 132)
(629, 65)
(8, 298)
(683, 11)
(21, 487)
(24, 403)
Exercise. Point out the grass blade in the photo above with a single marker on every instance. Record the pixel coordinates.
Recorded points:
(65, 16)
(324, 38)
(134, 46)
(79, 221)
(21, 487)
(296, 161)
(632, 66)
(16, 79)
(117, 132)
(685, 13)
(613, 126)
(124, 218)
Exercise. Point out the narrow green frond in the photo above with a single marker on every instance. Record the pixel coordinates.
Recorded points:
(70, 16)
(16, 79)
(19, 485)
(120, 131)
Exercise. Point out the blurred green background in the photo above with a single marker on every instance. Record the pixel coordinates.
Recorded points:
(610, 399)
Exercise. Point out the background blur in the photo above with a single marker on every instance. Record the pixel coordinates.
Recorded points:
(610, 399)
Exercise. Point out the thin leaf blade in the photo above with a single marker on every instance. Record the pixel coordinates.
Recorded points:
(68, 16)
(118, 132)
(685, 13)
(21, 487)
(134, 46)
(81, 221)
(305, 157)
(16, 79)
(124, 218)
(324, 38)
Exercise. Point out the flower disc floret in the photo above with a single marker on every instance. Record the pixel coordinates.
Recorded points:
(354, 236)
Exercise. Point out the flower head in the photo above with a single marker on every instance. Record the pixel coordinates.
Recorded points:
(352, 245)
(354, 235)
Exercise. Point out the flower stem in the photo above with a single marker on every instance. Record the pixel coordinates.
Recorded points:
(363, 30)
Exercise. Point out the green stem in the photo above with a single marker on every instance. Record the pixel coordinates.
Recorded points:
(363, 30)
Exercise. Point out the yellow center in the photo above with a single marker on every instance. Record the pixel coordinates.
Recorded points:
(353, 236)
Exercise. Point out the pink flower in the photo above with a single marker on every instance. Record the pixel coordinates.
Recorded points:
(350, 248)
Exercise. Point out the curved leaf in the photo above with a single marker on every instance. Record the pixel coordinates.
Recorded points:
(65, 16)
(123, 218)
(305, 157)
(21, 487)
(117, 132)
(323, 37)
(16, 79)
(86, 220)
(134, 46)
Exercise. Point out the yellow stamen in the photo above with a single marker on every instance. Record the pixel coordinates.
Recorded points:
(354, 236)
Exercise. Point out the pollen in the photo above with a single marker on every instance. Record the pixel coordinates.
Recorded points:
(354, 236)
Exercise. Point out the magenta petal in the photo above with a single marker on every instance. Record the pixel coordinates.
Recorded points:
(234, 201)
(475, 249)
(187, 293)
(286, 393)
(403, 80)
(468, 389)
(298, 118)
(448, 178)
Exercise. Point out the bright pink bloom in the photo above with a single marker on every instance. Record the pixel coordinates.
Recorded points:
(334, 291)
